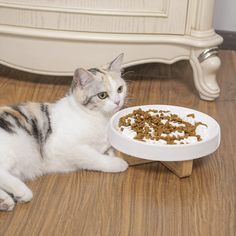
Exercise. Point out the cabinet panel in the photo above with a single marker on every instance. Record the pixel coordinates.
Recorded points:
(130, 16)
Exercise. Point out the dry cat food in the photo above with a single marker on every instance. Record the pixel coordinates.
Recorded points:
(163, 127)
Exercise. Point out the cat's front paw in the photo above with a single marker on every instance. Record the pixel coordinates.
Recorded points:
(6, 203)
(117, 165)
(110, 152)
(24, 196)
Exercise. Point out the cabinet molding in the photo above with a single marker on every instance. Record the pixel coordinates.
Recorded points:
(163, 12)
(40, 37)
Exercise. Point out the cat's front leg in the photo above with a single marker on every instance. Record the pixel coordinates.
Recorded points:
(88, 158)
(6, 201)
(15, 187)
(93, 160)
(85, 157)
(110, 151)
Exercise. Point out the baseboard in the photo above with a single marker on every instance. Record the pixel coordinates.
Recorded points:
(229, 39)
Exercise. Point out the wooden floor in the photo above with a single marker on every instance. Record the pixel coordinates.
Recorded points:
(147, 199)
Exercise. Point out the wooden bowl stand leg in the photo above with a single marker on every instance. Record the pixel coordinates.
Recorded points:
(180, 168)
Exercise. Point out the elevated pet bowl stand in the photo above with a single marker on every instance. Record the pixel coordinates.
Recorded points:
(177, 158)
(181, 169)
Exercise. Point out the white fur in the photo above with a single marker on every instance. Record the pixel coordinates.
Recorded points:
(78, 141)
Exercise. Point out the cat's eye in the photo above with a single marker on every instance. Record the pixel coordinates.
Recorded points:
(120, 89)
(103, 95)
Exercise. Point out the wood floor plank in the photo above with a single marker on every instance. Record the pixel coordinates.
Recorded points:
(147, 199)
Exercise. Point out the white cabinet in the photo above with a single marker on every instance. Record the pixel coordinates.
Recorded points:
(55, 37)
(124, 16)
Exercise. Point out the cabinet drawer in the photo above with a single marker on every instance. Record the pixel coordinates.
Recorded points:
(118, 16)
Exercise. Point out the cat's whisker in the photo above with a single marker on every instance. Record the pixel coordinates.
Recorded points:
(130, 95)
(130, 83)
(130, 99)
(126, 73)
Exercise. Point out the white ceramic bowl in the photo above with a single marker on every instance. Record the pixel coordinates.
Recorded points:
(165, 152)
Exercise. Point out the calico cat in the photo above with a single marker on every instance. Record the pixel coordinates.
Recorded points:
(40, 138)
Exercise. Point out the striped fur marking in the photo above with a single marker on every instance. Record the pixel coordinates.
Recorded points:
(44, 109)
(17, 120)
(87, 100)
(33, 118)
(36, 132)
(17, 109)
(6, 125)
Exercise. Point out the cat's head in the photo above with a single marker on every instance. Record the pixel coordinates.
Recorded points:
(100, 89)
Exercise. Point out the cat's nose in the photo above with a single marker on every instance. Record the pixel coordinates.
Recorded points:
(117, 102)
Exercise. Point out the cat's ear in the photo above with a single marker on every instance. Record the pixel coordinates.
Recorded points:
(82, 77)
(116, 64)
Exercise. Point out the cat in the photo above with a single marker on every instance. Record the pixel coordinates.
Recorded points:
(68, 135)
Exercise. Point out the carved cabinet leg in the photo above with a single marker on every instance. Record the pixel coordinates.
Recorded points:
(205, 65)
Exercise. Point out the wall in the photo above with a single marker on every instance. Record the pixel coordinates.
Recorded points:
(225, 15)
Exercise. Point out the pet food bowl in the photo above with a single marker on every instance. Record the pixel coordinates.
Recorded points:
(160, 152)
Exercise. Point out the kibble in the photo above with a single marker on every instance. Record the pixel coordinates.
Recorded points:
(158, 125)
